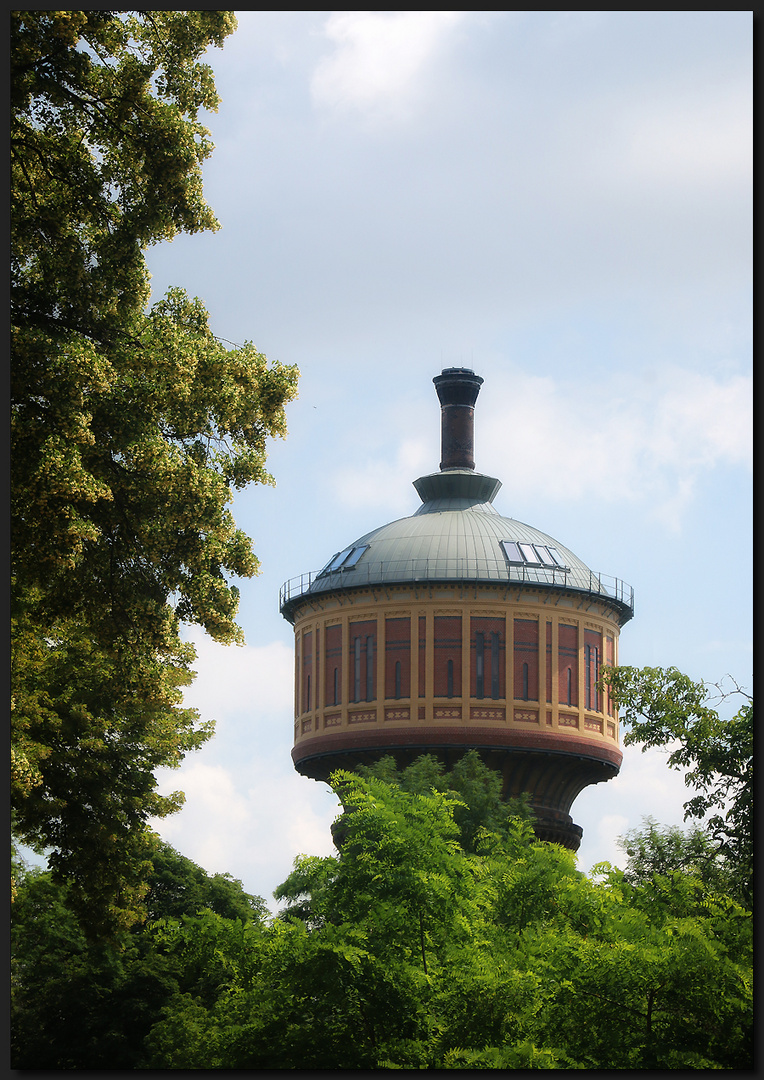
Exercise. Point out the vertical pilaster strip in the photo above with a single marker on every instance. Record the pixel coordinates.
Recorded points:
(541, 691)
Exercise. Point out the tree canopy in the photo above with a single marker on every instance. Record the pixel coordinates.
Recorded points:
(132, 427)
(404, 951)
(663, 707)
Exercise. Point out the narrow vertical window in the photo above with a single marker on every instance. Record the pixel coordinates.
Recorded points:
(307, 694)
(450, 679)
(596, 674)
(494, 666)
(336, 686)
(588, 669)
(570, 686)
(397, 678)
(370, 668)
(479, 665)
(525, 682)
(357, 670)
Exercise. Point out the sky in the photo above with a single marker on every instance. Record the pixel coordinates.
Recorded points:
(560, 201)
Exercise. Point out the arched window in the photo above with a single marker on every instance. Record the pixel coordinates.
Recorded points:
(479, 665)
(357, 669)
(370, 668)
(494, 666)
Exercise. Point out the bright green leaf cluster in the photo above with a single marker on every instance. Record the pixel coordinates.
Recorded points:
(663, 707)
(408, 952)
(130, 431)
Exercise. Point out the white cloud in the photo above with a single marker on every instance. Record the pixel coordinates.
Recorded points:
(385, 484)
(379, 58)
(698, 140)
(246, 812)
(645, 787)
(630, 440)
(643, 441)
(236, 678)
(249, 821)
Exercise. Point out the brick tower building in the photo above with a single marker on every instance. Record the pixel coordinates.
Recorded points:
(457, 628)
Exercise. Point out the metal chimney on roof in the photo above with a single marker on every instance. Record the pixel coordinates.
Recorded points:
(457, 390)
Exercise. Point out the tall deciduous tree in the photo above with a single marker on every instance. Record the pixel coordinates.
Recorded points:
(406, 951)
(131, 428)
(662, 707)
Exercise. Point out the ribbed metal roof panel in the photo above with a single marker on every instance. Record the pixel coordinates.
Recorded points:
(456, 539)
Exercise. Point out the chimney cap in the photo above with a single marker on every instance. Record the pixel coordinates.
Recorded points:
(458, 386)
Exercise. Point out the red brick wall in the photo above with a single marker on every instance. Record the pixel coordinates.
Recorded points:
(307, 689)
(488, 627)
(362, 630)
(549, 662)
(609, 659)
(567, 658)
(527, 652)
(398, 651)
(594, 642)
(422, 654)
(332, 660)
(448, 646)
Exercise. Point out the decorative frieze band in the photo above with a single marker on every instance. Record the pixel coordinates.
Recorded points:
(368, 717)
(487, 714)
(447, 713)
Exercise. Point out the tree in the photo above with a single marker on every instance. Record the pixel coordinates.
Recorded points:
(419, 954)
(475, 787)
(658, 850)
(80, 1004)
(131, 429)
(416, 954)
(663, 707)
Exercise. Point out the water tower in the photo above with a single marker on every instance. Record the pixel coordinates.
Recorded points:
(457, 628)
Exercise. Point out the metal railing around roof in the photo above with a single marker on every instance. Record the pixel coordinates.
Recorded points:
(377, 572)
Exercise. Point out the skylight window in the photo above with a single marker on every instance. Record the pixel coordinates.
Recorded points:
(354, 556)
(336, 561)
(543, 554)
(512, 551)
(344, 560)
(556, 556)
(522, 554)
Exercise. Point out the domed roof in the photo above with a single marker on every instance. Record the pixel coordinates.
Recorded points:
(457, 535)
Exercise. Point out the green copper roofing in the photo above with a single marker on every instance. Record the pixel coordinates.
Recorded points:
(456, 535)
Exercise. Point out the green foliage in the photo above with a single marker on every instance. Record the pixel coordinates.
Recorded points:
(476, 788)
(405, 952)
(657, 850)
(83, 1004)
(444, 935)
(130, 430)
(662, 707)
(179, 887)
